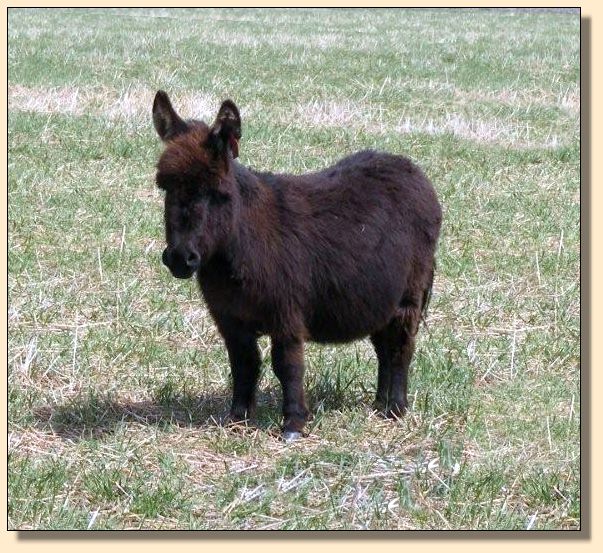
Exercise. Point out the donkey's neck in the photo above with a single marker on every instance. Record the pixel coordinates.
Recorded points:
(256, 225)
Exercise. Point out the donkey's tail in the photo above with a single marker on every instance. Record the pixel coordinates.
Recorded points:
(427, 295)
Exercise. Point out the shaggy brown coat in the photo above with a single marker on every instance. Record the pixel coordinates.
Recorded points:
(329, 256)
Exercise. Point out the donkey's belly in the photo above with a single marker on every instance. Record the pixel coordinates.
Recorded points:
(344, 321)
(352, 306)
(328, 329)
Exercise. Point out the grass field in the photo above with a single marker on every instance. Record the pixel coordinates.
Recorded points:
(116, 372)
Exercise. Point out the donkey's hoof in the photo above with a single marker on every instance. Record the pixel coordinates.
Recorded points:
(291, 436)
(395, 412)
(235, 419)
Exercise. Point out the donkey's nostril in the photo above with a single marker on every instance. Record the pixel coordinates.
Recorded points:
(192, 260)
(165, 258)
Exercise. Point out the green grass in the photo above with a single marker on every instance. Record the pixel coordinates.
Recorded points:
(117, 375)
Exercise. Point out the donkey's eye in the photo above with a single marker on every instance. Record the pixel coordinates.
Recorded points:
(216, 197)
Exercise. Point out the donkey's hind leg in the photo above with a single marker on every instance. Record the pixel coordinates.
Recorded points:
(379, 340)
(395, 346)
(401, 350)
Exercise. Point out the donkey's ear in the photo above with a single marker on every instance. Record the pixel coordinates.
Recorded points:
(167, 122)
(226, 130)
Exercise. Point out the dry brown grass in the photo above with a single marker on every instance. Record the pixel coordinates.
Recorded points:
(133, 104)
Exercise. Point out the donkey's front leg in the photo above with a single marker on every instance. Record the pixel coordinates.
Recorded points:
(288, 365)
(245, 362)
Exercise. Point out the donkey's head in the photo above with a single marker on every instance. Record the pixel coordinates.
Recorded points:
(195, 172)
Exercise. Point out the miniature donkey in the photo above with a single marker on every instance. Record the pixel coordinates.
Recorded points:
(330, 256)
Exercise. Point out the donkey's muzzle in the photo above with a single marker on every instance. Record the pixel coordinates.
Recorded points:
(181, 262)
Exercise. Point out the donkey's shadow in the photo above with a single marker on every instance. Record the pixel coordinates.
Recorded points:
(87, 417)
(94, 415)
